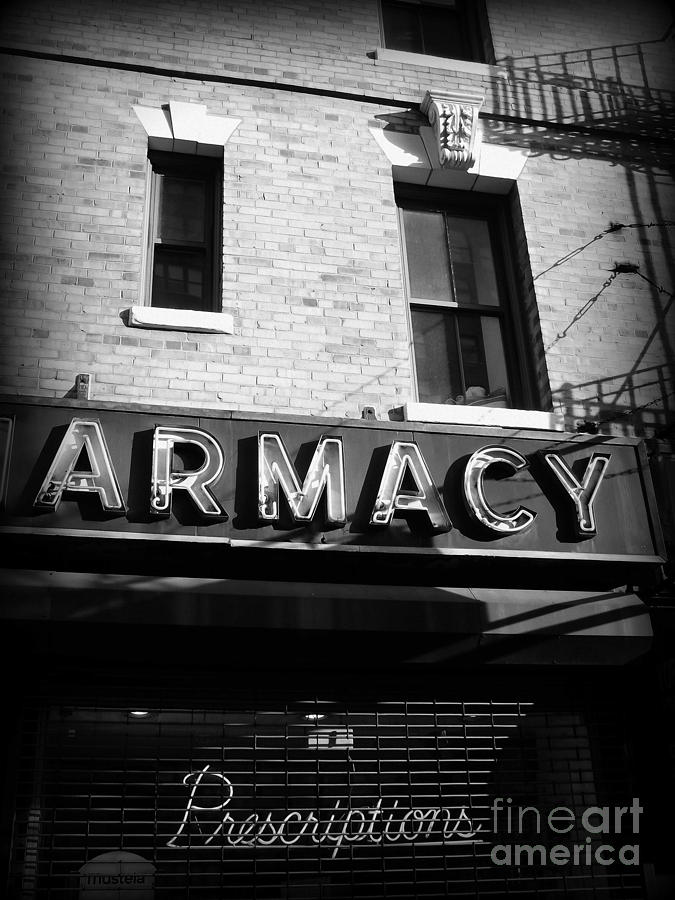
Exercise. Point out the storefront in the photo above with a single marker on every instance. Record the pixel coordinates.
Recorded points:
(273, 657)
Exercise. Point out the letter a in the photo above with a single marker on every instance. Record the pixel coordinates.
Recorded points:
(405, 457)
(100, 479)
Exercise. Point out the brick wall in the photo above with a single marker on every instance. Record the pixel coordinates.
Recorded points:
(311, 258)
(311, 264)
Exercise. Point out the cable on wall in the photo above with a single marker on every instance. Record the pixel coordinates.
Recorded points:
(619, 269)
(613, 227)
(582, 312)
(634, 409)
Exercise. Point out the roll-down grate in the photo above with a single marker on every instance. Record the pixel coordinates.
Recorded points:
(313, 799)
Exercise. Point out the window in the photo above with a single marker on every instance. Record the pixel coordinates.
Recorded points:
(449, 29)
(463, 334)
(184, 232)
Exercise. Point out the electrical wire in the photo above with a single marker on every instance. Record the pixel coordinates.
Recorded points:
(658, 287)
(613, 227)
(582, 312)
(587, 306)
(589, 303)
(634, 409)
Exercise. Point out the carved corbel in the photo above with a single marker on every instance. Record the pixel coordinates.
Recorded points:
(454, 118)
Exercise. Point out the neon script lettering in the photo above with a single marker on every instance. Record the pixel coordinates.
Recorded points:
(214, 826)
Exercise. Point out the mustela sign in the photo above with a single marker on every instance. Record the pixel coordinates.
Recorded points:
(82, 464)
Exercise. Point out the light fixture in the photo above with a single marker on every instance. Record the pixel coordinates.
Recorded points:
(139, 713)
(314, 717)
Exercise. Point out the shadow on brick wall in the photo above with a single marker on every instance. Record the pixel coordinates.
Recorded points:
(599, 103)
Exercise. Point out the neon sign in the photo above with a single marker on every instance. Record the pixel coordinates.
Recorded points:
(82, 437)
(214, 826)
(405, 458)
(474, 490)
(406, 486)
(195, 482)
(582, 493)
(326, 473)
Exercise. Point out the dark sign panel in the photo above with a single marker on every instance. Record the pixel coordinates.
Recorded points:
(244, 480)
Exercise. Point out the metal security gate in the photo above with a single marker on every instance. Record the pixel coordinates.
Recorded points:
(318, 798)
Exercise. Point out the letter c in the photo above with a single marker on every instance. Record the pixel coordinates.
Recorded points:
(474, 492)
(599, 855)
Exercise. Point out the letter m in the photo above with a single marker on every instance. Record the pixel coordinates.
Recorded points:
(277, 473)
(529, 851)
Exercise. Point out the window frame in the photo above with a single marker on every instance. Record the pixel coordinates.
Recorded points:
(207, 169)
(474, 25)
(494, 210)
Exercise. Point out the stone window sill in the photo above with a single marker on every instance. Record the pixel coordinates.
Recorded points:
(438, 62)
(455, 414)
(180, 320)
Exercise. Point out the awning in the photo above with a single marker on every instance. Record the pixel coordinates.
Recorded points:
(444, 625)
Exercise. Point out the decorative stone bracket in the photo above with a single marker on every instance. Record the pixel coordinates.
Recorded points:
(454, 117)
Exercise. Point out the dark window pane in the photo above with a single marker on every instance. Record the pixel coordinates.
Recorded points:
(495, 357)
(483, 359)
(442, 33)
(473, 266)
(427, 255)
(473, 352)
(436, 30)
(182, 210)
(401, 27)
(438, 373)
(459, 358)
(184, 231)
(456, 309)
(180, 279)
